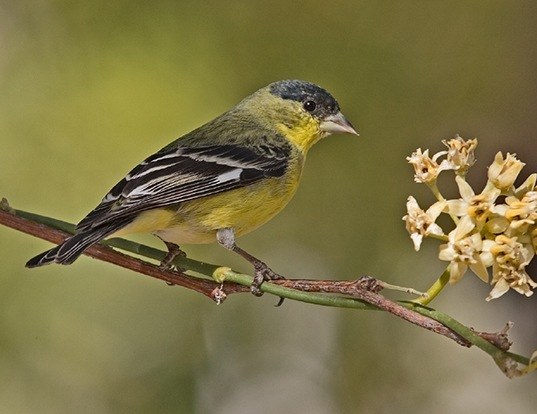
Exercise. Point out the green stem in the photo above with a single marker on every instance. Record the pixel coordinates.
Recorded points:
(501, 358)
(226, 274)
(435, 289)
(48, 221)
(206, 269)
(436, 191)
(441, 237)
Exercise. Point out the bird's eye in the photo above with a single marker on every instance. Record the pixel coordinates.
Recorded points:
(310, 106)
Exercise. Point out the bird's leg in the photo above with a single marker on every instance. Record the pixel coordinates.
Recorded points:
(226, 238)
(173, 252)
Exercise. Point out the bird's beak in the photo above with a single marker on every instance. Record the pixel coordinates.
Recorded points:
(337, 123)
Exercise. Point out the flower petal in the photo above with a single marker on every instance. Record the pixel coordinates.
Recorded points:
(465, 190)
(436, 209)
(527, 185)
(480, 270)
(465, 226)
(499, 289)
(446, 252)
(457, 271)
(457, 207)
(416, 239)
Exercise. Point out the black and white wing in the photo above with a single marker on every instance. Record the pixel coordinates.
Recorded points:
(178, 174)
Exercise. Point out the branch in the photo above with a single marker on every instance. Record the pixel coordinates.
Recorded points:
(360, 294)
(366, 289)
(107, 254)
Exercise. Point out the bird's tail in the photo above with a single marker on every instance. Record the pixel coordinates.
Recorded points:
(67, 252)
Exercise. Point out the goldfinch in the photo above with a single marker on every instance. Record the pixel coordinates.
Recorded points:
(220, 181)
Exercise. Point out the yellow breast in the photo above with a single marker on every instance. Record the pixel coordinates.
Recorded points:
(243, 209)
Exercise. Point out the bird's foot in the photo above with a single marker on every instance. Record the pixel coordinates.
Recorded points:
(262, 274)
(173, 252)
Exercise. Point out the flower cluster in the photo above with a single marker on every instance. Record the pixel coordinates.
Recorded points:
(495, 229)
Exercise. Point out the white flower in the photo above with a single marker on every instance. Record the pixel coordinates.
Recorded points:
(426, 169)
(490, 231)
(521, 213)
(478, 207)
(503, 172)
(511, 278)
(421, 223)
(460, 154)
(508, 270)
(465, 251)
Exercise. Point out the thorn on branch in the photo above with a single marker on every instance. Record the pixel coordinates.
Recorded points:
(499, 339)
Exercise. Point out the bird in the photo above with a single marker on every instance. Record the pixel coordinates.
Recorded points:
(217, 182)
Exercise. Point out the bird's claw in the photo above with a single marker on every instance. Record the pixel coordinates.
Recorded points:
(262, 274)
(173, 252)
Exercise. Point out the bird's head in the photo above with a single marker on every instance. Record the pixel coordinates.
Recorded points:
(300, 110)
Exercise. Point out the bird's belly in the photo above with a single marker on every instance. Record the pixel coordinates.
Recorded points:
(243, 210)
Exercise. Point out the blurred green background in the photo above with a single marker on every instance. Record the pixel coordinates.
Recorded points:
(88, 89)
